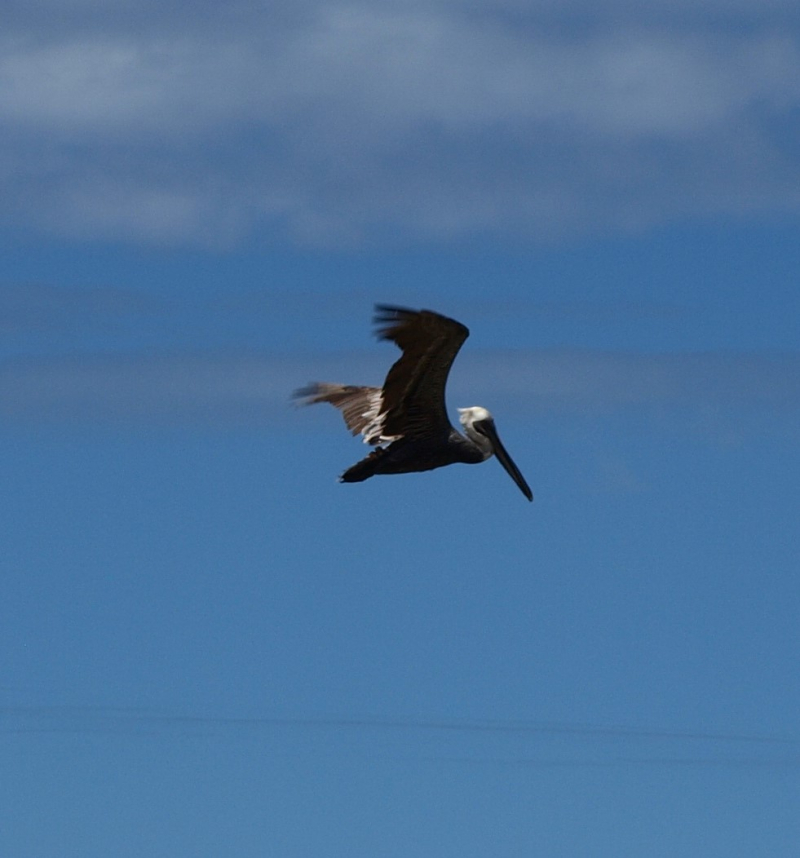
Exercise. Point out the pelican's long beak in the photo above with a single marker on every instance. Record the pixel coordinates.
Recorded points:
(505, 460)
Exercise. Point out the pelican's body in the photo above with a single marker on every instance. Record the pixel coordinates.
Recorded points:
(408, 413)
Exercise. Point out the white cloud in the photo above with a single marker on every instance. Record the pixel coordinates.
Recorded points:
(351, 122)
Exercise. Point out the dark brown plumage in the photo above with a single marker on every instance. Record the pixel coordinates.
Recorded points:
(413, 393)
(409, 413)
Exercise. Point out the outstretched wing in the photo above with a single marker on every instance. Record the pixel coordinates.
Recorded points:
(413, 393)
(361, 407)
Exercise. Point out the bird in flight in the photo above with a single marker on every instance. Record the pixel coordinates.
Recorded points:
(406, 419)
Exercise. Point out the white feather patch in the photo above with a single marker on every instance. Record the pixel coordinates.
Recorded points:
(373, 431)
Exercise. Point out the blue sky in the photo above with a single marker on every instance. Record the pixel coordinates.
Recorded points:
(208, 646)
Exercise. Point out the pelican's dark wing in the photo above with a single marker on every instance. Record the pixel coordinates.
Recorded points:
(360, 406)
(413, 393)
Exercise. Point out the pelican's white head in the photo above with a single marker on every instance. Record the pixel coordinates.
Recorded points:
(479, 427)
(468, 417)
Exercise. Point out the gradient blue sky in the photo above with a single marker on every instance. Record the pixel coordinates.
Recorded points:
(210, 647)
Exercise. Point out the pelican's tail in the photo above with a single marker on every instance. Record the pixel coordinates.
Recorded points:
(364, 469)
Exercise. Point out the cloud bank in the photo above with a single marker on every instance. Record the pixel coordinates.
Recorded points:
(718, 395)
(351, 123)
(112, 357)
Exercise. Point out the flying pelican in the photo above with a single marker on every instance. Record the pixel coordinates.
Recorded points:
(408, 413)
